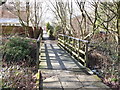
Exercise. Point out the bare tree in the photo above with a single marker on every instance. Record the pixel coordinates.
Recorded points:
(60, 10)
(88, 20)
(70, 10)
(82, 22)
(16, 9)
(36, 13)
(118, 29)
(29, 13)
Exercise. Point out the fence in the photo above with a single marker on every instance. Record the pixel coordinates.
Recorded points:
(76, 47)
(38, 50)
(12, 30)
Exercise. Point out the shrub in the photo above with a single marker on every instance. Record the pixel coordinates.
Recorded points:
(48, 26)
(17, 49)
(50, 29)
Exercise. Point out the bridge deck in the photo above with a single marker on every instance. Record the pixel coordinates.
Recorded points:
(61, 71)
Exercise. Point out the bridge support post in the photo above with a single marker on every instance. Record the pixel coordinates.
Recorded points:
(73, 46)
(78, 48)
(86, 54)
(64, 40)
(38, 49)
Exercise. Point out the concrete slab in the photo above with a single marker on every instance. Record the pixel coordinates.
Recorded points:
(52, 82)
(68, 78)
(88, 78)
(73, 85)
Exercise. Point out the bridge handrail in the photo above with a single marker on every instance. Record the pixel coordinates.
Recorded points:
(74, 38)
(38, 49)
(76, 47)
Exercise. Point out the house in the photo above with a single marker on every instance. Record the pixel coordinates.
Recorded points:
(11, 22)
(7, 12)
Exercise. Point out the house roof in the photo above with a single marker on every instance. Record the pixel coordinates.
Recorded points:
(8, 21)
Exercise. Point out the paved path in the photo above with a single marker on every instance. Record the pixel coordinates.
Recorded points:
(61, 72)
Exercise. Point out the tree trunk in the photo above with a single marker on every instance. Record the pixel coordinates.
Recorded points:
(118, 33)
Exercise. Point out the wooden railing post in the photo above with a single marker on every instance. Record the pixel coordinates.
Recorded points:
(69, 40)
(58, 38)
(73, 42)
(64, 40)
(86, 54)
(73, 46)
(37, 52)
(69, 44)
(78, 47)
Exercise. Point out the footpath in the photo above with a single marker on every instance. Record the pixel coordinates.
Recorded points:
(59, 71)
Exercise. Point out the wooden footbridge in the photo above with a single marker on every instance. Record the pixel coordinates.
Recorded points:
(63, 65)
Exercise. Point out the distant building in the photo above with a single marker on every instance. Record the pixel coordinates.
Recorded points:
(10, 22)
(10, 16)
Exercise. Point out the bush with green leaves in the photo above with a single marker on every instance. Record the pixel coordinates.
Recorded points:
(17, 49)
(48, 26)
(50, 29)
